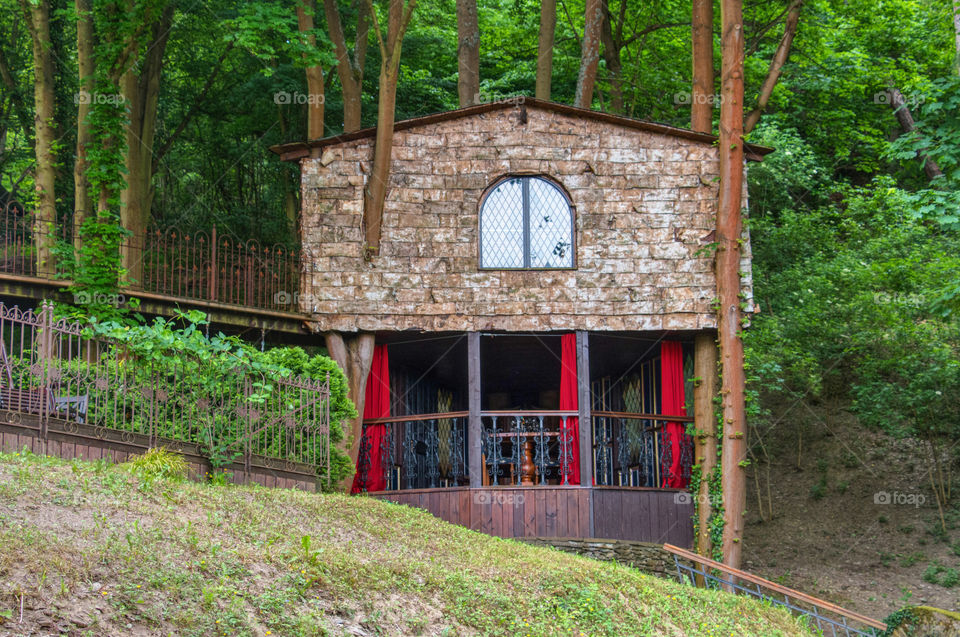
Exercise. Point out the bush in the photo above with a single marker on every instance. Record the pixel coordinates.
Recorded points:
(157, 463)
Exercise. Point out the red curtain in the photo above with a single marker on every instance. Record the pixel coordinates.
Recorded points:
(672, 403)
(568, 401)
(376, 405)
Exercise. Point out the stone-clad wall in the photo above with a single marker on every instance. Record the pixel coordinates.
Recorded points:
(644, 556)
(644, 203)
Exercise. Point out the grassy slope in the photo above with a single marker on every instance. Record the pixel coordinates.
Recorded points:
(91, 550)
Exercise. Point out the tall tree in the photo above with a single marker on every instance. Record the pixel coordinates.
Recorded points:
(701, 97)
(776, 65)
(349, 64)
(391, 42)
(37, 14)
(86, 68)
(314, 72)
(589, 54)
(956, 31)
(468, 52)
(140, 87)
(728, 238)
(548, 27)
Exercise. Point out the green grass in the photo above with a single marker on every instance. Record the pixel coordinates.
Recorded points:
(89, 548)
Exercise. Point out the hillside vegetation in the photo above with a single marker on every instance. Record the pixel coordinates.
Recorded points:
(94, 549)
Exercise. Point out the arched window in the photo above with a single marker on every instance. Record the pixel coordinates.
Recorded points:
(526, 222)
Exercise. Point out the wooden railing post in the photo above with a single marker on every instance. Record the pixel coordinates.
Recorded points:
(474, 427)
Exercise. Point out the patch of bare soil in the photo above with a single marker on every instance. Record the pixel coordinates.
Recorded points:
(853, 519)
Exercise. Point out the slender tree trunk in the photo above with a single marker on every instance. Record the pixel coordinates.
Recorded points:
(776, 65)
(468, 52)
(729, 231)
(589, 54)
(905, 119)
(705, 369)
(701, 97)
(142, 91)
(548, 26)
(354, 355)
(82, 197)
(349, 68)
(956, 31)
(611, 55)
(314, 73)
(375, 192)
(44, 96)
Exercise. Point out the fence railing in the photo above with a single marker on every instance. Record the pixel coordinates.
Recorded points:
(208, 266)
(527, 448)
(634, 449)
(49, 371)
(828, 618)
(416, 452)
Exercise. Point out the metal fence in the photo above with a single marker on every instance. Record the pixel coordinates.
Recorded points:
(49, 371)
(202, 265)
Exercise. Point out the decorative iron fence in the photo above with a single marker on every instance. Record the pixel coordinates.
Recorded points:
(416, 452)
(204, 266)
(50, 371)
(528, 447)
(635, 450)
(828, 618)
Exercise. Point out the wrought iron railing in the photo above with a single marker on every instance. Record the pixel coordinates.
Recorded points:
(633, 449)
(50, 372)
(416, 452)
(207, 266)
(528, 447)
(828, 618)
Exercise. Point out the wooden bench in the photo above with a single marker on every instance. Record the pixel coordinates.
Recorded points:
(38, 401)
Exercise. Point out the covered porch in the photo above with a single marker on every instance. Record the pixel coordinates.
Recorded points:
(579, 435)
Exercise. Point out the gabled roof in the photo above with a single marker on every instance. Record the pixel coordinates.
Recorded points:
(298, 150)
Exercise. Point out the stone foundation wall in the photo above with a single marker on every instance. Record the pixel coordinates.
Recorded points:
(644, 556)
(644, 208)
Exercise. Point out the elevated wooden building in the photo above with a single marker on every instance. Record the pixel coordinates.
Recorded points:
(543, 287)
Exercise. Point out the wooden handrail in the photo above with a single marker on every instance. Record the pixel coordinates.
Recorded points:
(415, 418)
(783, 590)
(632, 416)
(531, 412)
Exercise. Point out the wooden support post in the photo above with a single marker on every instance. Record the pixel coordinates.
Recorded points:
(354, 356)
(583, 406)
(729, 232)
(701, 97)
(705, 441)
(473, 397)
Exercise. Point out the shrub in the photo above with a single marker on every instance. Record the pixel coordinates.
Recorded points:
(158, 463)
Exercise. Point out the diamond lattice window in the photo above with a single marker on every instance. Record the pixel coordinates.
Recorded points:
(526, 222)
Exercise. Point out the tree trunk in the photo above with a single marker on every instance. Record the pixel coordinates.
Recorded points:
(468, 52)
(375, 192)
(905, 119)
(776, 65)
(141, 90)
(314, 73)
(349, 68)
(354, 356)
(82, 197)
(956, 31)
(611, 55)
(44, 96)
(705, 369)
(589, 54)
(729, 230)
(548, 27)
(701, 97)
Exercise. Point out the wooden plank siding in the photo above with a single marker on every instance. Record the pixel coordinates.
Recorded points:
(616, 513)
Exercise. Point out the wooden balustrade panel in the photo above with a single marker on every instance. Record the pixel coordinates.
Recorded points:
(645, 515)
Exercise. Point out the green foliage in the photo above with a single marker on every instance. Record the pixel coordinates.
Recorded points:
(158, 463)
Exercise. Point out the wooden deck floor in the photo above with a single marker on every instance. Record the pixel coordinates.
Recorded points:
(616, 513)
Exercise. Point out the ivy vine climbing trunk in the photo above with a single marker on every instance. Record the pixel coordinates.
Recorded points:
(589, 54)
(37, 14)
(548, 27)
(375, 192)
(82, 197)
(701, 95)
(349, 65)
(705, 439)
(468, 52)
(728, 237)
